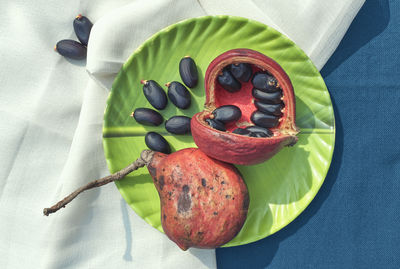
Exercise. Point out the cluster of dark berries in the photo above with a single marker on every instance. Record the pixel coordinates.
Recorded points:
(178, 94)
(268, 101)
(73, 49)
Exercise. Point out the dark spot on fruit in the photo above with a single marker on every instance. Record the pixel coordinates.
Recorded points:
(203, 182)
(215, 213)
(222, 182)
(151, 169)
(165, 217)
(185, 188)
(227, 196)
(211, 188)
(161, 182)
(199, 236)
(184, 202)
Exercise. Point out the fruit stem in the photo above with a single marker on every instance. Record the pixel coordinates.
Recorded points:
(144, 159)
(79, 16)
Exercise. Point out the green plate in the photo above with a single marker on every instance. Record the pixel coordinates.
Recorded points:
(281, 188)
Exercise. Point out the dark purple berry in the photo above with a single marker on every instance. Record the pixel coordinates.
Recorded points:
(241, 131)
(216, 124)
(147, 116)
(258, 129)
(227, 113)
(178, 125)
(71, 49)
(82, 27)
(156, 142)
(265, 82)
(188, 72)
(178, 94)
(264, 120)
(241, 71)
(267, 97)
(154, 94)
(228, 81)
(273, 109)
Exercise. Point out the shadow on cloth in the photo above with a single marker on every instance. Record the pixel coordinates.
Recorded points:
(372, 19)
(128, 231)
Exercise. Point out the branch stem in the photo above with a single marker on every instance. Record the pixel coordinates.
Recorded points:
(143, 160)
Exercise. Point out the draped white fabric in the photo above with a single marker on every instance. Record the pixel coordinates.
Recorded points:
(51, 114)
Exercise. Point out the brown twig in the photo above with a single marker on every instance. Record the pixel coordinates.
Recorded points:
(144, 159)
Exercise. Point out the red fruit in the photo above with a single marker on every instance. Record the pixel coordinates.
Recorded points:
(235, 148)
(204, 202)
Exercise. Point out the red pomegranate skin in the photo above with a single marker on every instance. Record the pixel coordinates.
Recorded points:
(204, 202)
(234, 148)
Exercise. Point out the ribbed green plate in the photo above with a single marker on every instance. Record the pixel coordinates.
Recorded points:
(281, 188)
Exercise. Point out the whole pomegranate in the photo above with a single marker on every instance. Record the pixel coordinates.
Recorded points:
(204, 201)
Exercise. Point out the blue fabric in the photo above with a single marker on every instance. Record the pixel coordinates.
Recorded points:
(354, 221)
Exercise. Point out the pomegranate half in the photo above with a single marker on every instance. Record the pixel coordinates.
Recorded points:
(235, 148)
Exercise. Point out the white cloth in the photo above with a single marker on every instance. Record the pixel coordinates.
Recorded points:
(51, 116)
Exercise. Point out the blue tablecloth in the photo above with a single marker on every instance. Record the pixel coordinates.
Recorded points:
(354, 221)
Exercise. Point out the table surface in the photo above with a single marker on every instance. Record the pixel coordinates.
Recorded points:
(354, 221)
